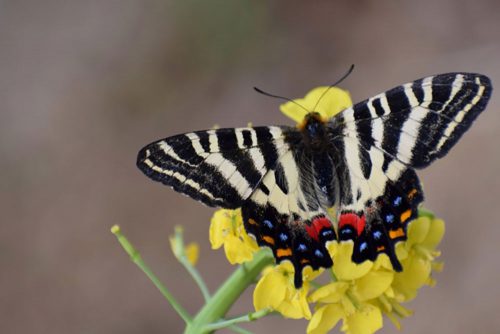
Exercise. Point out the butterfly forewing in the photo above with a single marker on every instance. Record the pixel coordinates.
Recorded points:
(217, 167)
(383, 139)
(362, 162)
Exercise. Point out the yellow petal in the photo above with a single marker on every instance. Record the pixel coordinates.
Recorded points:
(331, 103)
(348, 305)
(308, 274)
(294, 111)
(417, 231)
(334, 101)
(330, 293)
(401, 251)
(415, 274)
(435, 234)
(276, 290)
(192, 252)
(220, 227)
(270, 291)
(249, 241)
(295, 304)
(366, 321)
(324, 319)
(236, 250)
(373, 284)
(383, 261)
(344, 268)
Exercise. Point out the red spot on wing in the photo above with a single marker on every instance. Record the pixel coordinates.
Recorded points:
(316, 226)
(356, 222)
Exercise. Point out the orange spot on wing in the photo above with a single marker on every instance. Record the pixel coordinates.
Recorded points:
(405, 215)
(397, 233)
(283, 252)
(381, 248)
(412, 193)
(268, 239)
(304, 261)
(252, 222)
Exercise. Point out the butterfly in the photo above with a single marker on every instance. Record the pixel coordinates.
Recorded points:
(361, 162)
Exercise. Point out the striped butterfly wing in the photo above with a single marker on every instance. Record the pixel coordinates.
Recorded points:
(216, 167)
(287, 214)
(259, 170)
(380, 142)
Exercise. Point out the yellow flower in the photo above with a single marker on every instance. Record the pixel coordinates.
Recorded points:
(334, 101)
(424, 234)
(417, 257)
(191, 252)
(361, 293)
(276, 291)
(348, 297)
(226, 229)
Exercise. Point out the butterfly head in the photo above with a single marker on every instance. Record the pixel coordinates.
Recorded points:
(314, 131)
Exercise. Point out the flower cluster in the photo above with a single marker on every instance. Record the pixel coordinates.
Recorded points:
(358, 295)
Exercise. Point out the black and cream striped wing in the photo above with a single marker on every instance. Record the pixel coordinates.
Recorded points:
(286, 214)
(217, 167)
(383, 139)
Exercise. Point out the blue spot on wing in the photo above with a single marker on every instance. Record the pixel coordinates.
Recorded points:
(268, 223)
(318, 253)
(302, 247)
(363, 246)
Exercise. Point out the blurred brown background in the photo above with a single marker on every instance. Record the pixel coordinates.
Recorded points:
(84, 85)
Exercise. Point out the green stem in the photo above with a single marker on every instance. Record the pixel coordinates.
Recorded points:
(228, 293)
(244, 318)
(196, 277)
(239, 330)
(137, 259)
(181, 256)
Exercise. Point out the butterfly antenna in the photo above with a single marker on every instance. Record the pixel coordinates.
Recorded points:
(258, 90)
(335, 84)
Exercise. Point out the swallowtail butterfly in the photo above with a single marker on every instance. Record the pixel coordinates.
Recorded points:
(361, 162)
